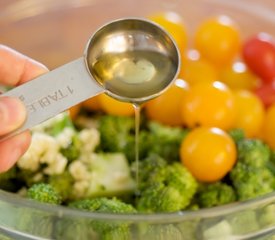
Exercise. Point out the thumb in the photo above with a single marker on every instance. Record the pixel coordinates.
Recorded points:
(12, 114)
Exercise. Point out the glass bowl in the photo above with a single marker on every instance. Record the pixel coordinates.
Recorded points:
(55, 32)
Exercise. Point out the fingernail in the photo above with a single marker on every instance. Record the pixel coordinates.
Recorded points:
(12, 114)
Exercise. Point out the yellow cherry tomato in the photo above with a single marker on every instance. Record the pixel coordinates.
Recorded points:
(268, 128)
(166, 108)
(218, 40)
(250, 112)
(173, 24)
(74, 111)
(196, 70)
(209, 104)
(238, 76)
(114, 107)
(92, 104)
(208, 153)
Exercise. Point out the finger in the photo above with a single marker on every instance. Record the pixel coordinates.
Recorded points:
(12, 114)
(12, 149)
(16, 68)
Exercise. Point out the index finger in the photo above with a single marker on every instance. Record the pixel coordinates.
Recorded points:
(16, 68)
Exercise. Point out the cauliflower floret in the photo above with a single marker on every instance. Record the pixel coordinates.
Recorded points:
(57, 166)
(64, 138)
(79, 171)
(89, 139)
(102, 174)
(43, 150)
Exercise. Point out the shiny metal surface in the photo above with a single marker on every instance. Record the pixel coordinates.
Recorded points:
(134, 41)
(72, 83)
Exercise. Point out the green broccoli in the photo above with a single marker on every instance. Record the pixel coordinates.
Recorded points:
(165, 140)
(45, 193)
(243, 222)
(253, 152)
(163, 232)
(115, 132)
(107, 230)
(9, 180)
(215, 229)
(251, 182)
(72, 151)
(215, 194)
(237, 134)
(151, 170)
(252, 176)
(164, 187)
(266, 216)
(160, 198)
(145, 140)
(62, 183)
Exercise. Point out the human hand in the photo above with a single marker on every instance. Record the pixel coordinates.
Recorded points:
(15, 69)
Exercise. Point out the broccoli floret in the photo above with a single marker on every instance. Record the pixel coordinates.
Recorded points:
(267, 216)
(45, 193)
(145, 140)
(62, 183)
(9, 181)
(215, 194)
(151, 170)
(72, 151)
(115, 132)
(252, 175)
(243, 222)
(251, 182)
(160, 198)
(219, 230)
(253, 152)
(103, 204)
(164, 187)
(165, 140)
(237, 134)
(107, 230)
(101, 174)
(164, 232)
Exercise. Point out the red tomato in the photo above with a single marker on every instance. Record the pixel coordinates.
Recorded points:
(266, 92)
(259, 54)
(268, 131)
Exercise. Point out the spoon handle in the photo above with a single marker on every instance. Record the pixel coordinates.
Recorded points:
(54, 92)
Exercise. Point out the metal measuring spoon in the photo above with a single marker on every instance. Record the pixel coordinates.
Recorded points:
(133, 60)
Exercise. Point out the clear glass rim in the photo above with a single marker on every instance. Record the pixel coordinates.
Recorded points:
(63, 211)
(13, 199)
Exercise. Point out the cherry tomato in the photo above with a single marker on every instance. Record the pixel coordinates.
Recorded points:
(238, 76)
(209, 104)
(195, 70)
(92, 104)
(268, 130)
(218, 40)
(173, 24)
(259, 54)
(114, 107)
(266, 93)
(208, 153)
(166, 108)
(250, 112)
(73, 111)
